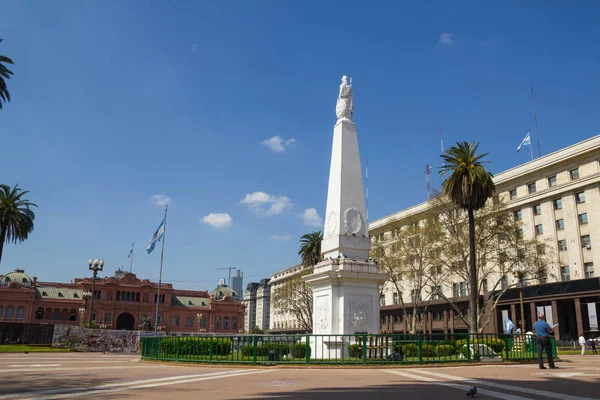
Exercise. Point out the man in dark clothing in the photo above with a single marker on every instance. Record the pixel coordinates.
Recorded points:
(593, 344)
(542, 331)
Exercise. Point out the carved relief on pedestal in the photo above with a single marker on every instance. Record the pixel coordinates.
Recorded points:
(358, 311)
(353, 221)
(322, 319)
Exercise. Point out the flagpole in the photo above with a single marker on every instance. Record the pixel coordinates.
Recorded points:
(530, 144)
(162, 251)
(131, 259)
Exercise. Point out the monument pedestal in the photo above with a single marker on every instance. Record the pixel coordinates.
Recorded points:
(345, 302)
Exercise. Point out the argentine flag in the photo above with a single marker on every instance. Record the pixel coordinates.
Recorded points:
(156, 238)
(526, 142)
(130, 251)
(508, 326)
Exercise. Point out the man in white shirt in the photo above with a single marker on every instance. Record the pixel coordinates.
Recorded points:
(582, 344)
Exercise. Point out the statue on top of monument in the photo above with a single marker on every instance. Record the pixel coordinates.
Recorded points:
(344, 107)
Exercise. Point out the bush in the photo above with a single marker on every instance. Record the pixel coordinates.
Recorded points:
(445, 350)
(247, 350)
(355, 351)
(299, 350)
(196, 346)
(427, 350)
(280, 348)
(410, 350)
(496, 345)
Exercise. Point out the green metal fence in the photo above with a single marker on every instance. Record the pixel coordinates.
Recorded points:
(341, 349)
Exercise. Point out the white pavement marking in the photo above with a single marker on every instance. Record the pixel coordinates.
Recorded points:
(33, 365)
(465, 388)
(113, 385)
(46, 370)
(46, 362)
(543, 393)
(93, 391)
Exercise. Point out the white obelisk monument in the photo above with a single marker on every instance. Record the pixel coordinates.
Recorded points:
(345, 283)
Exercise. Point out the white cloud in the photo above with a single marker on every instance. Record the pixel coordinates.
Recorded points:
(160, 199)
(281, 238)
(218, 220)
(446, 38)
(311, 217)
(266, 204)
(277, 144)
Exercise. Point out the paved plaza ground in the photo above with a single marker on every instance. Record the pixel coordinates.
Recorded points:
(111, 376)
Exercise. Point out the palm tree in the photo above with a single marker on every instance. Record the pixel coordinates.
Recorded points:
(310, 251)
(16, 216)
(5, 73)
(469, 186)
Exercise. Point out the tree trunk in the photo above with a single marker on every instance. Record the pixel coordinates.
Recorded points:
(474, 292)
(2, 239)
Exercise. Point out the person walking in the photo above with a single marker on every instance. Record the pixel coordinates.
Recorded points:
(542, 331)
(593, 344)
(582, 344)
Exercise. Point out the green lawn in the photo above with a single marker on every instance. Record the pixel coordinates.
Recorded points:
(21, 348)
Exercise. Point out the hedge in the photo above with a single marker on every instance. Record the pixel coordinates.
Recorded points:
(354, 351)
(195, 346)
(445, 350)
(497, 345)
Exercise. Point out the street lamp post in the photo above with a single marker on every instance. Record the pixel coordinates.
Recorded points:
(81, 316)
(199, 318)
(95, 266)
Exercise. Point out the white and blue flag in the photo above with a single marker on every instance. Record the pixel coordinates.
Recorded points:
(508, 326)
(156, 238)
(526, 142)
(130, 250)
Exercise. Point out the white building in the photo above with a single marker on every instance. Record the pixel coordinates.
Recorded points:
(237, 283)
(283, 321)
(257, 300)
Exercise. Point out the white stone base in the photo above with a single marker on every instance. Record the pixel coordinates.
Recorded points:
(329, 347)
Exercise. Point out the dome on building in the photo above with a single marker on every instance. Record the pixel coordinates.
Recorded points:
(221, 291)
(19, 276)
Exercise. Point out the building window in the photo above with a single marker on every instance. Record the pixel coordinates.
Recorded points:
(518, 215)
(552, 181)
(539, 229)
(586, 242)
(513, 194)
(203, 322)
(93, 315)
(558, 204)
(10, 312)
(562, 245)
(189, 321)
(588, 269)
(118, 296)
(218, 322)
(537, 209)
(416, 296)
(484, 285)
(395, 297)
(540, 249)
(531, 188)
(20, 313)
(225, 323)
(564, 274)
(455, 290)
(463, 289)
(560, 224)
(520, 232)
(574, 174)
(233, 323)
(583, 219)
(580, 197)
(175, 321)
(437, 291)
(504, 282)
(382, 300)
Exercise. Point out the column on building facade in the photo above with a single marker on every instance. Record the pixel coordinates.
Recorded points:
(451, 321)
(430, 320)
(555, 319)
(533, 312)
(578, 316)
(513, 314)
(445, 321)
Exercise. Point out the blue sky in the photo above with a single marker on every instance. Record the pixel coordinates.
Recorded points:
(116, 102)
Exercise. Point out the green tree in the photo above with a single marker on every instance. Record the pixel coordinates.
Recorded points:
(469, 186)
(5, 73)
(411, 259)
(16, 216)
(310, 249)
